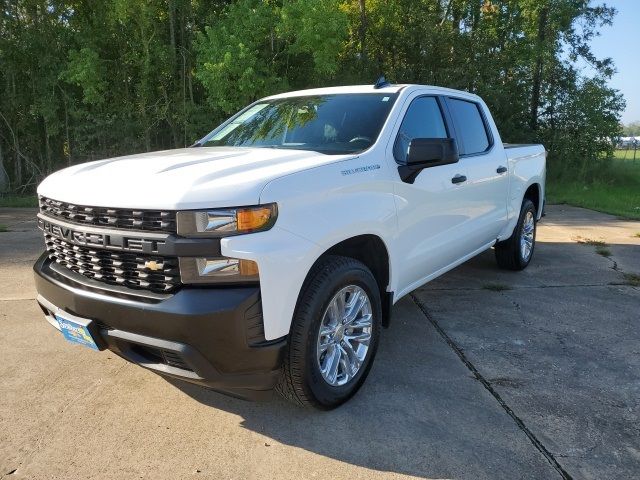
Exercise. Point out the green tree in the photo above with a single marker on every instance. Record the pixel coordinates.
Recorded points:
(256, 48)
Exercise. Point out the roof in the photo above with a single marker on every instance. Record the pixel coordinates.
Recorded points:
(338, 90)
(391, 89)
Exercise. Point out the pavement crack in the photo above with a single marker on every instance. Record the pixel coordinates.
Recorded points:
(487, 385)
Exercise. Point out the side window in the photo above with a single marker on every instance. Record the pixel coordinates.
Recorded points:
(469, 126)
(422, 120)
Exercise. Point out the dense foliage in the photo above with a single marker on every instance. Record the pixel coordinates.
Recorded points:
(82, 80)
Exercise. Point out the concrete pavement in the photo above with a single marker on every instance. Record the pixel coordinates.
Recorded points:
(483, 374)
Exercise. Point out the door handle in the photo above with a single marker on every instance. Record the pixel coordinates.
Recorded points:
(458, 178)
(501, 169)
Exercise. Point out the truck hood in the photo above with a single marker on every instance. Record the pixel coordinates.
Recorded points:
(187, 178)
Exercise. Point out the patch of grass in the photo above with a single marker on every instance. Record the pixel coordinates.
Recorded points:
(615, 190)
(3, 228)
(604, 251)
(637, 235)
(601, 246)
(18, 201)
(632, 279)
(626, 155)
(496, 287)
(590, 241)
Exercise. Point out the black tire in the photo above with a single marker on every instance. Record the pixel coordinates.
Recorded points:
(301, 380)
(508, 253)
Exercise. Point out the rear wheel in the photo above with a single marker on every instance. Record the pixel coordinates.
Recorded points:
(515, 253)
(334, 334)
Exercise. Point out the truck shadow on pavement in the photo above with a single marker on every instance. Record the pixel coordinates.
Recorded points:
(419, 413)
(422, 412)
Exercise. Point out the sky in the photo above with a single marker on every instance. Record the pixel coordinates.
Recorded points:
(620, 42)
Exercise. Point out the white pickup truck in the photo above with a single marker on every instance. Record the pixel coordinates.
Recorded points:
(269, 254)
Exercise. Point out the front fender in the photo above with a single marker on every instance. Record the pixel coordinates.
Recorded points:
(283, 260)
(317, 209)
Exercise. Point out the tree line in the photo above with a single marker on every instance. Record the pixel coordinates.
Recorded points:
(83, 80)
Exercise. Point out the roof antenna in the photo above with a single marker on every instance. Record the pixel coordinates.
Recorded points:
(381, 83)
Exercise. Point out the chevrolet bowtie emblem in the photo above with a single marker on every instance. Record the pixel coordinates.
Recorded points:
(152, 265)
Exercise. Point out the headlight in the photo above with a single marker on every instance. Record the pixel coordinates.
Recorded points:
(217, 270)
(226, 222)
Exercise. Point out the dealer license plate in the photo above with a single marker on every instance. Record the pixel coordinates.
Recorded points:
(76, 332)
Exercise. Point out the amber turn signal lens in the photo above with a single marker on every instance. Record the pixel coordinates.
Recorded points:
(254, 218)
(248, 268)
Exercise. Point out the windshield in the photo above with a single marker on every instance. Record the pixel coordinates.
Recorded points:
(332, 124)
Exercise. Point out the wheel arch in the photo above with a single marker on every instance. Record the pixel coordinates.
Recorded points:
(534, 193)
(372, 251)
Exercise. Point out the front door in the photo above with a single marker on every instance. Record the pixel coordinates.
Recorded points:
(433, 211)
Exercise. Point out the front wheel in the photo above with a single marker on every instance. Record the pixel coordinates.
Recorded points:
(334, 334)
(515, 252)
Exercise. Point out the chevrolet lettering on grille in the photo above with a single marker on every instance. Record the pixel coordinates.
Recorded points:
(99, 240)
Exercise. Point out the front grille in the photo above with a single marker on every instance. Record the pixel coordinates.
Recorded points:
(116, 268)
(149, 220)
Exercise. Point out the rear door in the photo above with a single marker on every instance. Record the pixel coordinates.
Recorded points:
(484, 160)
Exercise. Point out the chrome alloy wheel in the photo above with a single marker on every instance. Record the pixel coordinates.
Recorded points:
(526, 236)
(345, 333)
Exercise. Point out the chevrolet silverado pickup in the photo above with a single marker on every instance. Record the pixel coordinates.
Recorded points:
(270, 253)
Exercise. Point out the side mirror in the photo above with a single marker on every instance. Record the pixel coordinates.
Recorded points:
(427, 152)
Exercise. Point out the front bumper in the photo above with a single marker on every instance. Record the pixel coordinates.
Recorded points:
(209, 336)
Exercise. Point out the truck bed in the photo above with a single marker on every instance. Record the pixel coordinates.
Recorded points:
(520, 151)
(518, 145)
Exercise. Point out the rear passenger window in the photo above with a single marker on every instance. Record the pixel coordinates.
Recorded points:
(469, 126)
(422, 120)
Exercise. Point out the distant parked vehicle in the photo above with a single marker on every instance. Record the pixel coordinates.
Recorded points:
(628, 142)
